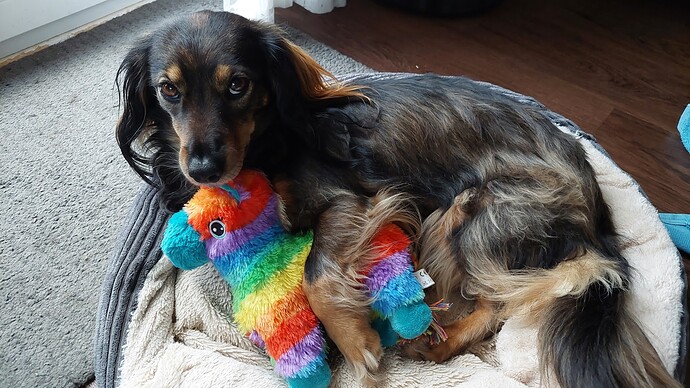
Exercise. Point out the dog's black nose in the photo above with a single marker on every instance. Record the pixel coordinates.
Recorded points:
(204, 169)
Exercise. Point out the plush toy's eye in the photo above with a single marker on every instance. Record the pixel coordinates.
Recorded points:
(217, 229)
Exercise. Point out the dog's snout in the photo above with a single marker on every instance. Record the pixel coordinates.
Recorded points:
(205, 168)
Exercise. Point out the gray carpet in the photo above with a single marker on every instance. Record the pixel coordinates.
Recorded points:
(66, 190)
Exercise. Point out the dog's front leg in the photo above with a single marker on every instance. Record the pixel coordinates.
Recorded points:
(334, 291)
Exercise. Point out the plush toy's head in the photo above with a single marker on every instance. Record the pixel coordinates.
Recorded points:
(199, 231)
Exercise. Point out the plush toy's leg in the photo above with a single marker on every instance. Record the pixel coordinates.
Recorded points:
(396, 293)
(389, 336)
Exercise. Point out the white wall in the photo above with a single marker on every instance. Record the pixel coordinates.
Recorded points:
(26, 23)
(263, 9)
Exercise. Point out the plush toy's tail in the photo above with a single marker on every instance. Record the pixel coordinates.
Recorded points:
(397, 295)
(319, 378)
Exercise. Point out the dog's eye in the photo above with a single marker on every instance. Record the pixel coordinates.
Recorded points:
(169, 91)
(238, 85)
(217, 229)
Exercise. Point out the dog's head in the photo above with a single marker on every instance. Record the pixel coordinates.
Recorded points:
(197, 93)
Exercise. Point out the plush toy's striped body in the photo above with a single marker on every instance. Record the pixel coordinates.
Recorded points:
(264, 265)
(238, 228)
(265, 273)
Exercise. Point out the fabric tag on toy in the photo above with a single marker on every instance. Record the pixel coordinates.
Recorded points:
(424, 279)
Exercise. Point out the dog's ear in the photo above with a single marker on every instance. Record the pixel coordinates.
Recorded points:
(144, 131)
(138, 100)
(301, 87)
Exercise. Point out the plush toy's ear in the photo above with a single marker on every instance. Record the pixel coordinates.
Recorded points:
(182, 244)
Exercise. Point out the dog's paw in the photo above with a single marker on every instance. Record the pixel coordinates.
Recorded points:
(421, 349)
(364, 355)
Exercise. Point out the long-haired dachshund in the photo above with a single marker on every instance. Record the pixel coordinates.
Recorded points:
(512, 218)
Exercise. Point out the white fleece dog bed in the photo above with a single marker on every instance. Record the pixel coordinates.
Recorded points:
(180, 332)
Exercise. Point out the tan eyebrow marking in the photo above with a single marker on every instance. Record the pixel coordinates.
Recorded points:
(174, 74)
(221, 76)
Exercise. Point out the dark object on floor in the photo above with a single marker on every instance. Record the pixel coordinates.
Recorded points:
(443, 7)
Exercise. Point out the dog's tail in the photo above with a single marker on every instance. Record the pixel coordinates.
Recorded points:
(593, 341)
(588, 337)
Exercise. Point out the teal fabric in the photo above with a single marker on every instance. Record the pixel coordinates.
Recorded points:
(320, 377)
(684, 127)
(412, 320)
(678, 226)
(181, 243)
(389, 337)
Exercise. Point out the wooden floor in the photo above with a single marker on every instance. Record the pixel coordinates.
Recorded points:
(619, 69)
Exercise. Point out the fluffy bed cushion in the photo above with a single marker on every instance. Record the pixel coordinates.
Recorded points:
(181, 334)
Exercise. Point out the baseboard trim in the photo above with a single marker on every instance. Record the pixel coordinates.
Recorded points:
(60, 30)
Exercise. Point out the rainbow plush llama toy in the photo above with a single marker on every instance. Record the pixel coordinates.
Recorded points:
(237, 227)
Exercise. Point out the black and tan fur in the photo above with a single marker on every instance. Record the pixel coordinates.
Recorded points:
(512, 219)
